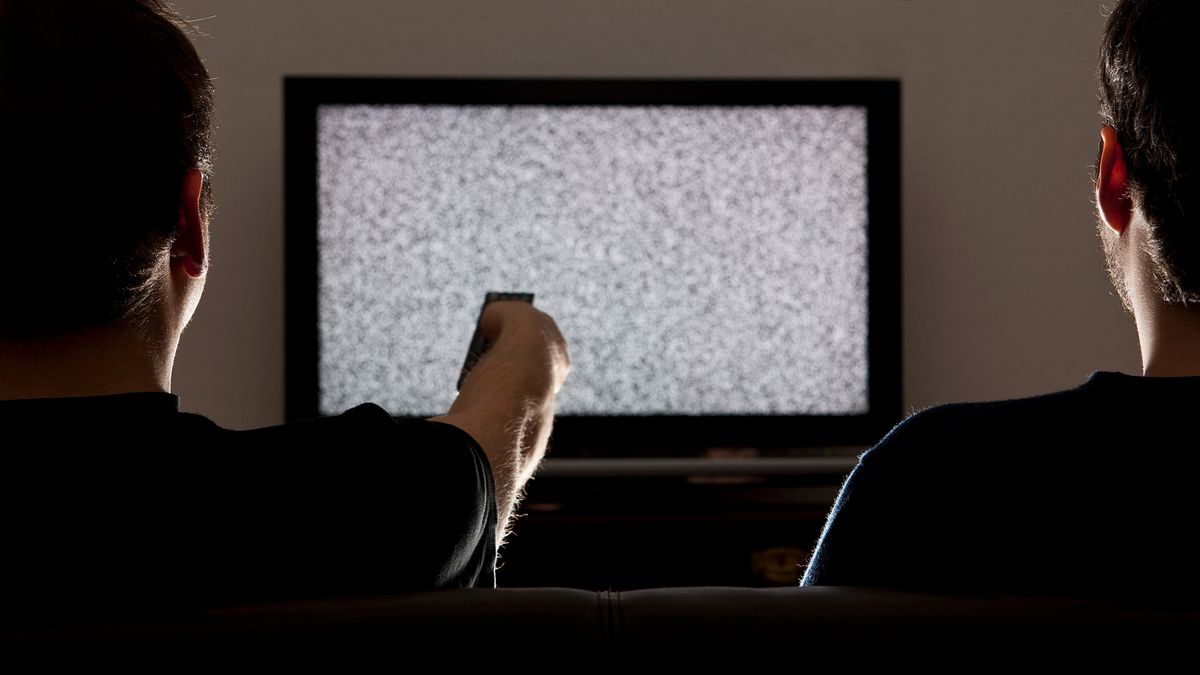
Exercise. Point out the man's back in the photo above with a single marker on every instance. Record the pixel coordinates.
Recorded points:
(123, 501)
(1086, 490)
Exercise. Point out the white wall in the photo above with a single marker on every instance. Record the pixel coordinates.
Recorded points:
(1004, 294)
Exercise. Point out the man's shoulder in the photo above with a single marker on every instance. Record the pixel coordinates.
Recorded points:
(953, 428)
(361, 424)
(997, 411)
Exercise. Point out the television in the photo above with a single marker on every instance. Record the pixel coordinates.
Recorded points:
(722, 256)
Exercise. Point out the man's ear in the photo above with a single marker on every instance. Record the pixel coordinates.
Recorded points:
(1112, 183)
(189, 251)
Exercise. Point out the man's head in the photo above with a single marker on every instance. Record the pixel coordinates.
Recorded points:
(1148, 169)
(105, 152)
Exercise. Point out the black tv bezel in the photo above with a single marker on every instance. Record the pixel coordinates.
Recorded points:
(629, 436)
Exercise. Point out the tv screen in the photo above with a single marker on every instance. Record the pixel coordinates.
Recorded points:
(721, 256)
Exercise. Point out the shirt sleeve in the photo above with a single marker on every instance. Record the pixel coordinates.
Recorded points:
(354, 504)
(883, 529)
(853, 539)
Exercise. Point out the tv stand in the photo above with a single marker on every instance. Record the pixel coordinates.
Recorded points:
(637, 523)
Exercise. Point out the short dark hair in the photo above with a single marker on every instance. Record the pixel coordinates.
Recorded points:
(104, 108)
(1147, 72)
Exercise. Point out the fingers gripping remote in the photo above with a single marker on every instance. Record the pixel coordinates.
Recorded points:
(479, 344)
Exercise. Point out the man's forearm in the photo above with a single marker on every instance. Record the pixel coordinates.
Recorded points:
(506, 404)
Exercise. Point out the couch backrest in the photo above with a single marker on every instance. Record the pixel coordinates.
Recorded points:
(734, 629)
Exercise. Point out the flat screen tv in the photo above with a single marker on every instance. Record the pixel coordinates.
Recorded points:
(722, 256)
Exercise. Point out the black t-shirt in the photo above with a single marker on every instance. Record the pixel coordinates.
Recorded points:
(125, 502)
(1091, 490)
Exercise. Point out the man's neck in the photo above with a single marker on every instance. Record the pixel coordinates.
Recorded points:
(98, 362)
(1170, 340)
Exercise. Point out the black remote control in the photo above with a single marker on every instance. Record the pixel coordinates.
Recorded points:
(478, 344)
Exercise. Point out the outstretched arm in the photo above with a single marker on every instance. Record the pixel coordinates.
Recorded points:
(506, 402)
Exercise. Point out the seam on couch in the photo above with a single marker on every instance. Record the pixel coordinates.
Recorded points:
(616, 618)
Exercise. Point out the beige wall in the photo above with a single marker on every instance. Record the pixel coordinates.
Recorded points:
(1003, 289)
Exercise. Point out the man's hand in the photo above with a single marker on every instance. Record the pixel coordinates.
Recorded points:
(506, 402)
(520, 327)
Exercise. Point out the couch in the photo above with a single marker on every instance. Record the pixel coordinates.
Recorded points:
(654, 630)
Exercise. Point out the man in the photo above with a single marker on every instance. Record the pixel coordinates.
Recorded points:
(114, 499)
(1091, 489)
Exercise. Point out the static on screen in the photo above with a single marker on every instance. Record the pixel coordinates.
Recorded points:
(699, 260)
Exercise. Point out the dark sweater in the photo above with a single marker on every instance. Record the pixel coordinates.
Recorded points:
(1089, 490)
(124, 502)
